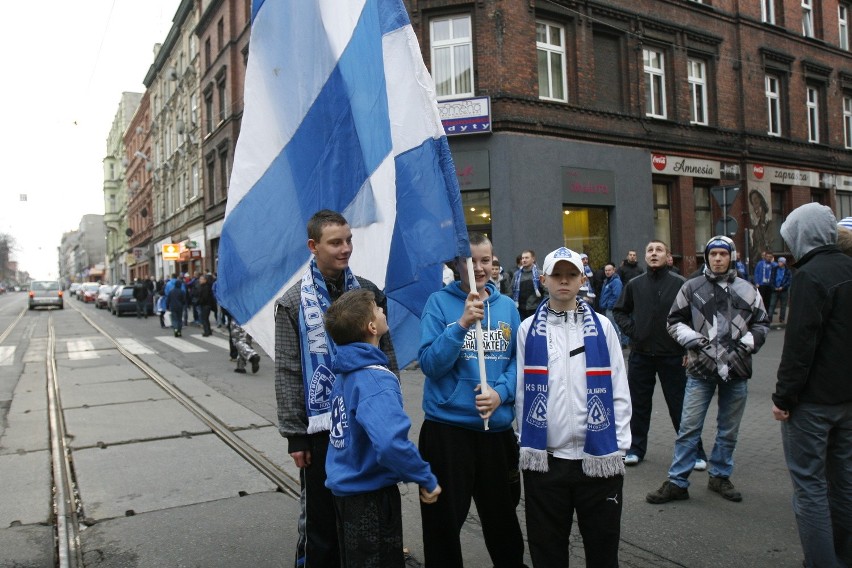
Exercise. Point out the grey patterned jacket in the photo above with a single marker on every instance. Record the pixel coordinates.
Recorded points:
(721, 321)
(289, 386)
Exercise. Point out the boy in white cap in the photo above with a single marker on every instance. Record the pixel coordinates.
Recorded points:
(573, 408)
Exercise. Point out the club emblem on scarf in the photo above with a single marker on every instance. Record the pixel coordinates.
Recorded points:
(598, 418)
(322, 381)
(537, 416)
(339, 422)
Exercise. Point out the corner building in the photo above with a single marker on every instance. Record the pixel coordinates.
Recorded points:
(603, 124)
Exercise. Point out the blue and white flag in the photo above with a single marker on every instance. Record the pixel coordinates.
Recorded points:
(340, 114)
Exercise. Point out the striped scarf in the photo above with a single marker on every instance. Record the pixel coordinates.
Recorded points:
(516, 284)
(601, 456)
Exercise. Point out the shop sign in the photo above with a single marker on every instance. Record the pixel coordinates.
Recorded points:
(783, 176)
(680, 166)
(171, 252)
(466, 116)
(843, 182)
(582, 186)
(472, 169)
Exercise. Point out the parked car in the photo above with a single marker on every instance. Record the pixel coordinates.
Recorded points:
(123, 302)
(104, 295)
(89, 291)
(46, 293)
(72, 290)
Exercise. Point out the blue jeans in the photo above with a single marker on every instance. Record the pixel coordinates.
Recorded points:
(732, 402)
(818, 448)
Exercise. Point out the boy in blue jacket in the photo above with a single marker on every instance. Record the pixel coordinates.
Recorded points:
(471, 462)
(369, 451)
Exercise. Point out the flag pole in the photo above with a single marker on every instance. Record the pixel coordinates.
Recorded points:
(480, 348)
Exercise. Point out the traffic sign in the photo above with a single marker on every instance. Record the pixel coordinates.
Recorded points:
(730, 230)
(725, 194)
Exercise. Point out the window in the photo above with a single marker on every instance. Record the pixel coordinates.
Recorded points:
(703, 217)
(194, 192)
(211, 179)
(698, 91)
(662, 213)
(193, 46)
(550, 47)
(808, 18)
(813, 115)
(223, 171)
(193, 109)
(208, 111)
(222, 103)
(208, 61)
(655, 84)
(452, 56)
(843, 25)
(779, 214)
(773, 105)
(844, 204)
(767, 11)
(220, 34)
(847, 122)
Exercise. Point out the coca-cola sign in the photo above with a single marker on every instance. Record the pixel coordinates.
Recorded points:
(659, 162)
(757, 169)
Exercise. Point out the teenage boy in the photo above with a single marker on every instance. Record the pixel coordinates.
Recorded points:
(471, 462)
(720, 319)
(573, 408)
(303, 377)
(369, 450)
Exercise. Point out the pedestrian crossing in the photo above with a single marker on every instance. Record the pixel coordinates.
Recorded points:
(95, 347)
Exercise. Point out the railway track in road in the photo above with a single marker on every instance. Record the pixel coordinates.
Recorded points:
(68, 508)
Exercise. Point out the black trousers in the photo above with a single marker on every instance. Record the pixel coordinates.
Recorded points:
(478, 465)
(318, 544)
(369, 527)
(551, 500)
(642, 372)
(205, 319)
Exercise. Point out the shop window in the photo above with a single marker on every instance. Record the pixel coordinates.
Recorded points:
(586, 230)
(779, 214)
(662, 213)
(550, 48)
(703, 217)
(452, 55)
(477, 211)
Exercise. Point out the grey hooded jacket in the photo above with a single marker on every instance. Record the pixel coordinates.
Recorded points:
(816, 360)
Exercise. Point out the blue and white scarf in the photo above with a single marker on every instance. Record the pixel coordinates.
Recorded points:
(516, 283)
(317, 347)
(601, 456)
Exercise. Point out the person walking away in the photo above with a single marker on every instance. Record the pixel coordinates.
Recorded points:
(369, 451)
(629, 268)
(781, 279)
(720, 319)
(245, 349)
(303, 377)
(140, 294)
(813, 393)
(206, 304)
(526, 285)
(641, 312)
(573, 406)
(176, 304)
(471, 462)
(610, 292)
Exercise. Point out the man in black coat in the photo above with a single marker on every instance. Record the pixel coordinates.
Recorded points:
(140, 294)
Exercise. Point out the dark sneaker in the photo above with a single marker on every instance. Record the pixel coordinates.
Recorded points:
(240, 371)
(668, 491)
(724, 487)
(255, 362)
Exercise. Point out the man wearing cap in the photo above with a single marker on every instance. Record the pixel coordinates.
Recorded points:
(780, 286)
(720, 319)
(641, 311)
(813, 395)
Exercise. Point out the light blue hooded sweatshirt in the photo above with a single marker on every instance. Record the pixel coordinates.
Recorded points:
(448, 358)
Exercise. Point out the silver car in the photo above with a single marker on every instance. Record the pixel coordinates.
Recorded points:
(46, 293)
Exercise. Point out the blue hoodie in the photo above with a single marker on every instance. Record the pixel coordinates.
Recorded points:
(368, 446)
(448, 358)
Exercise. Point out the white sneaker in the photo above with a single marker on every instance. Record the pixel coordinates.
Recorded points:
(700, 465)
(631, 459)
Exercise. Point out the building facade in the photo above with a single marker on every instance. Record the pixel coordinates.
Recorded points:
(141, 259)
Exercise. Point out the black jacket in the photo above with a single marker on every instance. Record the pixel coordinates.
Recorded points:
(140, 292)
(816, 360)
(642, 309)
(629, 270)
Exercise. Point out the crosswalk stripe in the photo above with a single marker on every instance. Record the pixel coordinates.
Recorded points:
(134, 346)
(181, 345)
(81, 349)
(216, 341)
(7, 355)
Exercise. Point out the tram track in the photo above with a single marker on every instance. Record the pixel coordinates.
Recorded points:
(67, 506)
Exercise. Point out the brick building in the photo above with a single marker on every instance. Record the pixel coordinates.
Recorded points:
(603, 124)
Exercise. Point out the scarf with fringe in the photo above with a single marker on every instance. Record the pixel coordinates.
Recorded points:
(516, 283)
(601, 457)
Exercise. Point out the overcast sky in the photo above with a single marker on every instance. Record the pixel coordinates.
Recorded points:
(67, 63)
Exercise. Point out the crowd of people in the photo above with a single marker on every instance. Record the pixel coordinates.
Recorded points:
(558, 413)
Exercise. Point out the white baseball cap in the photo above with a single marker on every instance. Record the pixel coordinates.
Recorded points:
(560, 254)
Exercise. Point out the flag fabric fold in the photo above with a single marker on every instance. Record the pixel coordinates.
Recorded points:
(340, 114)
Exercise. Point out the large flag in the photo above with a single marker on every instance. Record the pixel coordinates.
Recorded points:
(340, 114)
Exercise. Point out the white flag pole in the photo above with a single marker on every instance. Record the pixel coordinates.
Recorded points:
(480, 348)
